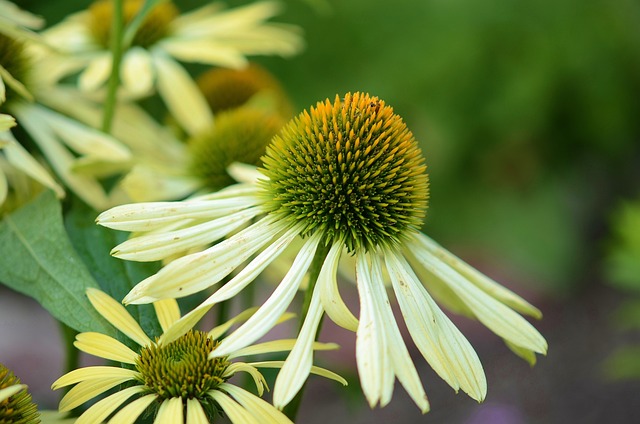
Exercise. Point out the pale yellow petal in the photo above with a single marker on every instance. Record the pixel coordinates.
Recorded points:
(218, 331)
(91, 373)
(257, 376)
(234, 411)
(167, 311)
(118, 316)
(181, 95)
(96, 74)
(261, 410)
(211, 52)
(281, 345)
(195, 413)
(322, 372)
(483, 282)
(130, 413)
(88, 389)
(297, 367)
(6, 121)
(137, 71)
(198, 271)
(271, 310)
(7, 392)
(448, 352)
(170, 412)
(99, 412)
(331, 300)
(106, 347)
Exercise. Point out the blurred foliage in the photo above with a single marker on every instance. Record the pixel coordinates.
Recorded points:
(527, 112)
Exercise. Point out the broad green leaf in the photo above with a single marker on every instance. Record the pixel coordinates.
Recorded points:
(37, 259)
(115, 276)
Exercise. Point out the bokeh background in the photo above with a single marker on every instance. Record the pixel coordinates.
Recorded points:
(529, 117)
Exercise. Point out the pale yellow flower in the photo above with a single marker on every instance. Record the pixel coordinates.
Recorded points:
(347, 175)
(209, 35)
(169, 376)
(16, 405)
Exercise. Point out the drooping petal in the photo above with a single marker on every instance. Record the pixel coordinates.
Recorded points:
(261, 410)
(499, 318)
(99, 411)
(297, 367)
(257, 376)
(331, 300)
(167, 311)
(370, 340)
(170, 412)
(271, 310)
(477, 278)
(448, 352)
(181, 94)
(280, 345)
(118, 316)
(198, 271)
(92, 373)
(236, 413)
(401, 361)
(102, 346)
(130, 413)
(322, 372)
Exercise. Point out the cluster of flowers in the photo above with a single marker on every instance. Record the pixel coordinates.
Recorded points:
(229, 186)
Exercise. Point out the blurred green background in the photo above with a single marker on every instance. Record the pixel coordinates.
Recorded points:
(529, 116)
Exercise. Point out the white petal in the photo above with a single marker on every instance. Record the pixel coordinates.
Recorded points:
(7, 392)
(155, 215)
(198, 271)
(448, 352)
(370, 340)
(181, 95)
(331, 300)
(137, 71)
(298, 365)
(155, 247)
(271, 310)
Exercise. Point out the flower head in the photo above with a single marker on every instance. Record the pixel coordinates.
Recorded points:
(178, 379)
(209, 35)
(16, 405)
(347, 175)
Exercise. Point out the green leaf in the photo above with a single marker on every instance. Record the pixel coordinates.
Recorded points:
(115, 276)
(37, 259)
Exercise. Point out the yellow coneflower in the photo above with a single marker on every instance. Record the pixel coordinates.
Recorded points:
(346, 174)
(16, 405)
(177, 380)
(209, 35)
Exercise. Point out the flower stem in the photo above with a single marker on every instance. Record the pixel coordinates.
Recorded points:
(117, 29)
(72, 358)
(291, 410)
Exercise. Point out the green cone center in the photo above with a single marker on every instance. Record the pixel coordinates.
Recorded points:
(155, 26)
(19, 408)
(182, 368)
(350, 169)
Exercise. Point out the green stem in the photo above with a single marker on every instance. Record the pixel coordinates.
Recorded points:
(117, 27)
(291, 410)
